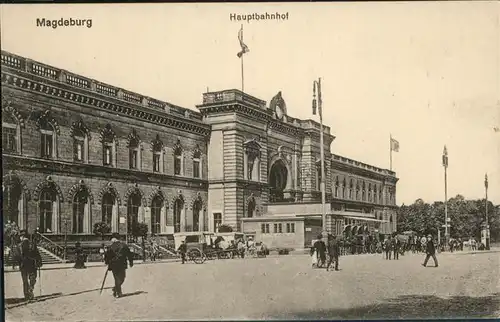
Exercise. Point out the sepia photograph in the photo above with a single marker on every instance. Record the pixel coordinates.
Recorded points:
(251, 161)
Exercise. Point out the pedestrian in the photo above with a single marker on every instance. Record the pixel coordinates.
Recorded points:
(29, 262)
(396, 245)
(333, 252)
(430, 251)
(388, 248)
(116, 258)
(320, 247)
(183, 250)
(80, 257)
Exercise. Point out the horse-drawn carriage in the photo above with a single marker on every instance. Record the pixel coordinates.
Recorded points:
(197, 245)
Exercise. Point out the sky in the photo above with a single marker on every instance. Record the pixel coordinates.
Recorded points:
(426, 73)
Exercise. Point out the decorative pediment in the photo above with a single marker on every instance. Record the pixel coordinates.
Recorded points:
(10, 111)
(107, 134)
(278, 102)
(79, 127)
(109, 188)
(133, 138)
(252, 148)
(197, 152)
(157, 144)
(177, 147)
(157, 192)
(44, 120)
(48, 183)
(80, 187)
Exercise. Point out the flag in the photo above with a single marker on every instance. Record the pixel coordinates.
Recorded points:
(394, 145)
(244, 48)
(445, 157)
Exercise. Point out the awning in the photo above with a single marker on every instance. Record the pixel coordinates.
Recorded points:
(365, 219)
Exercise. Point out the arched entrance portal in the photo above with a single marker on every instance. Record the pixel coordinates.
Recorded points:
(277, 180)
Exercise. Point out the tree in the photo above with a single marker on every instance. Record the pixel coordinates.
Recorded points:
(225, 229)
(101, 229)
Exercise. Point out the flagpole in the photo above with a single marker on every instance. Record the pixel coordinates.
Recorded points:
(390, 149)
(242, 70)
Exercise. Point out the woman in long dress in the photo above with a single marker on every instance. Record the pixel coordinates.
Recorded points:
(314, 255)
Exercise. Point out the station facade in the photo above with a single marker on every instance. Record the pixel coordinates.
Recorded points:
(77, 152)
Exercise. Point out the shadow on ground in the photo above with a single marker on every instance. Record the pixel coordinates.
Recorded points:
(412, 306)
(19, 301)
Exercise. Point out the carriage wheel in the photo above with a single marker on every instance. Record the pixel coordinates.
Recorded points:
(211, 255)
(197, 256)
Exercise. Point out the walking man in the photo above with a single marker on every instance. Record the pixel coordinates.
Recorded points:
(320, 247)
(430, 251)
(333, 252)
(29, 262)
(183, 250)
(396, 246)
(116, 258)
(388, 248)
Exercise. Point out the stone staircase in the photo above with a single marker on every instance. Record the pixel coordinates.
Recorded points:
(47, 257)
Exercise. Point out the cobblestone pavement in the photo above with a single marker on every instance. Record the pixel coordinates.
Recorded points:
(284, 287)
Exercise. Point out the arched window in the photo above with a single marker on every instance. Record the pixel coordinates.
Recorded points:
(178, 159)
(251, 208)
(80, 212)
(108, 201)
(351, 185)
(81, 137)
(133, 206)
(197, 208)
(336, 192)
(391, 226)
(48, 140)
(134, 152)
(11, 133)
(344, 187)
(157, 154)
(108, 146)
(178, 211)
(363, 192)
(156, 206)
(197, 163)
(251, 160)
(357, 191)
(47, 211)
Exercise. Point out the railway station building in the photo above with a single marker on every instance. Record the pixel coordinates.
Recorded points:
(77, 151)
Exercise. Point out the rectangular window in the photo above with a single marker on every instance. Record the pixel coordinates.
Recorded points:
(78, 149)
(196, 168)
(46, 145)
(280, 228)
(287, 227)
(9, 139)
(263, 228)
(107, 154)
(156, 162)
(133, 159)
(292, 227)
(267, 228)
(217, 220)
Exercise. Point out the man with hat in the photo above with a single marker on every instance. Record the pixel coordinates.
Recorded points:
(29, 262)
(333, 252)
(430, 251)
(116, 258)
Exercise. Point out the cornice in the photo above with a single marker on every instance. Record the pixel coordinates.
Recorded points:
(64, 92)
(54, 167)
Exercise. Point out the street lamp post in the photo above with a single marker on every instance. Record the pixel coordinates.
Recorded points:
(486, 208)
(446, 225)
(319, 105)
